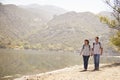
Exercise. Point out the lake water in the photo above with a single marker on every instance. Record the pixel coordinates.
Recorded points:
(15, 63)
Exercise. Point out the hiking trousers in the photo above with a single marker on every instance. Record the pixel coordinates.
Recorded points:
(85, 61)
(96, 61)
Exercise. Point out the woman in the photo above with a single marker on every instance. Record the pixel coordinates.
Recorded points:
(86, 52)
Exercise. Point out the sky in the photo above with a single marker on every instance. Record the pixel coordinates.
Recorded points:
(94, 6)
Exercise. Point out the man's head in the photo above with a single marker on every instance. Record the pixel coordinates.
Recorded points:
(96, 39)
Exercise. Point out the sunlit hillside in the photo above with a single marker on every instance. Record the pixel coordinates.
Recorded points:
(27, 27)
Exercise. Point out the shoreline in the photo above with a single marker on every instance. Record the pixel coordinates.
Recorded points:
(73, 70)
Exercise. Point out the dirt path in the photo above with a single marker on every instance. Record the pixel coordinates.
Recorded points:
(107, 72)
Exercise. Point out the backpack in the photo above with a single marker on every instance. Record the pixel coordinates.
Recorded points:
(99, 45)
(84, 47)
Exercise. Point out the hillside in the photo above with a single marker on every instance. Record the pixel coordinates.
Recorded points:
(46, 11)
(17, 23)
(107, 14)
(70, 29)
(25, 27)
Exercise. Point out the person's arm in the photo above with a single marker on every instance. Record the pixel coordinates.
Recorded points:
(101, 49)
(91, 52)
(81, 51)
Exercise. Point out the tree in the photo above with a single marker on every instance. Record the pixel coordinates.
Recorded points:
(115, 6)
(106, 20)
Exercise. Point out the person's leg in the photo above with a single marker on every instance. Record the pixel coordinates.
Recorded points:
(85, 60)
(97, 61)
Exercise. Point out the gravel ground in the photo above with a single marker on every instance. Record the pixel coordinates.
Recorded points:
(106, 72)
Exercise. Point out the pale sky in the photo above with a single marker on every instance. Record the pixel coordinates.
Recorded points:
(94, 6)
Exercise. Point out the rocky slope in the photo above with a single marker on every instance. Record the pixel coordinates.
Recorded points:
(26, 27)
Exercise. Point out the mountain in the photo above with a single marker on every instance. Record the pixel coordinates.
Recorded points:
(46, 11)
(106, 14)
(26, 28)
(17, 23)
(70, 29)
(75, 24)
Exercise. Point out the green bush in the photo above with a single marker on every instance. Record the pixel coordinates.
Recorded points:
(116, 39)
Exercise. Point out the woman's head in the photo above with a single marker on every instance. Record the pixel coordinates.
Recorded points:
(86, 41)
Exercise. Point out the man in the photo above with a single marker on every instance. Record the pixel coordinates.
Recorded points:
(97, 51)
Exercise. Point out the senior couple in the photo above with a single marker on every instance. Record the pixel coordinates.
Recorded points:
(96, 50)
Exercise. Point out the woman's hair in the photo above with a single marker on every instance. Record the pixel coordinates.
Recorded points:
(87, 41)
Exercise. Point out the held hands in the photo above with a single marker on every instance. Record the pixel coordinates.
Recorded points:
(101, 53)
(91, 54)
(80, 54)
